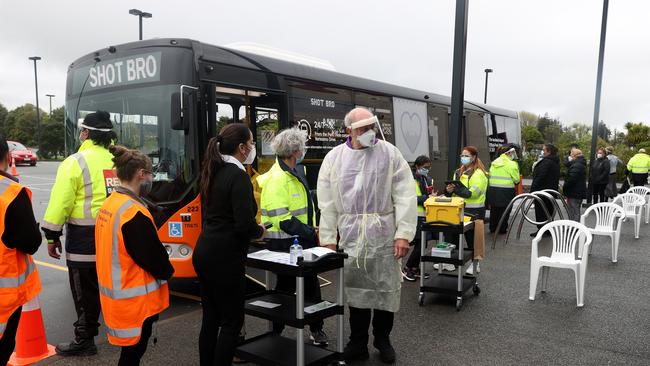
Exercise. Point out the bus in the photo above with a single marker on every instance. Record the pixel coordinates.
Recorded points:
(168, 97)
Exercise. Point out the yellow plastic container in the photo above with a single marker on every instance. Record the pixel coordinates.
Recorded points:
(447, 209)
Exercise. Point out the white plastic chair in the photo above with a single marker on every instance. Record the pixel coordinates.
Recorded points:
(632, 205)
(609, 219)
(645, 193)
(567, 236)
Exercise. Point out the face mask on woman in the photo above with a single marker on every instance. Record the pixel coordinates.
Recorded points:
(302, 157)
(423, 171)
(599, 156)
(465, 160)
(250, 157)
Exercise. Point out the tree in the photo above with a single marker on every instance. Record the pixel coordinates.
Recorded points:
(637, 133)
(528, 118)
(531, 137)
(52, 140)
(603, 131)
(20, 125)
(3, 118)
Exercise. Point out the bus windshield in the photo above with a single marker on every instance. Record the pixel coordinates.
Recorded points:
(141, 120)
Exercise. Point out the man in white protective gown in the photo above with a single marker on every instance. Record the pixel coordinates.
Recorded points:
(366, 196)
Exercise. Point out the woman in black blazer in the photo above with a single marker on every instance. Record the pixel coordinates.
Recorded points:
(229, 224)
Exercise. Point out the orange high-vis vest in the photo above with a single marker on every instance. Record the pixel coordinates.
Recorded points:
(19, 280)
(128, 293)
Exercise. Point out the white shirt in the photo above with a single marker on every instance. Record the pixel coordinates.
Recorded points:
(232, 160)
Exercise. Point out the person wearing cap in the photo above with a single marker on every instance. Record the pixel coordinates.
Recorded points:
(78, 192)
(503, 178)
(366, 196)
(638, 167)
(614, 163)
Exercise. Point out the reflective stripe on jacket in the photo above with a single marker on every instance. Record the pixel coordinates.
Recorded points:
(639, 164)
(128, 293)
(79, 189)
(283, 196)
(477, 184)
(19, 281)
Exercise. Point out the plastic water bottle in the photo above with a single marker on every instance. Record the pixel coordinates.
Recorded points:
(295, 251)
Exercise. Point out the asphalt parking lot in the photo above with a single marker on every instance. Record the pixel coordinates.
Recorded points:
(498, 327)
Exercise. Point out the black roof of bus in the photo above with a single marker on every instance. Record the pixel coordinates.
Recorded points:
(223, 55)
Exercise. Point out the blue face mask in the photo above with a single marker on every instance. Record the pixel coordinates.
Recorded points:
(302, 157)
(423, 171)
(465, 160)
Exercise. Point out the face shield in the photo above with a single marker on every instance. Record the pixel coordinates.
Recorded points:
(369, 121)
(513, 154)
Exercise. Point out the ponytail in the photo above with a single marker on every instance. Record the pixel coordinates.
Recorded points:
(211, 162)
(229, 138)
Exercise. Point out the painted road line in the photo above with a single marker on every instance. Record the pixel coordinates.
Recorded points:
(65, 269)
(34, 177)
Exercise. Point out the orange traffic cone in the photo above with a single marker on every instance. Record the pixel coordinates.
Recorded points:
(14, 171)
(31, 345)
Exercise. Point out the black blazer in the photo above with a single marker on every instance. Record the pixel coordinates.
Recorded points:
(546, 174)
(575, 185)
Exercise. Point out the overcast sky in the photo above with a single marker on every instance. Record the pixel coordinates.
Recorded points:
(543, 52)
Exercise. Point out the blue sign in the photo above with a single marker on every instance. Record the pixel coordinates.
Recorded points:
(175, 229)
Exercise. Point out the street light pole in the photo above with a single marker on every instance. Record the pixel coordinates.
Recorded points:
(50, 96)
(487, 71)
(140, 14)
(38, 116)
(599, 83)
(457, 86)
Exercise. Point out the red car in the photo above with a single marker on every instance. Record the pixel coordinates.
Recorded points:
(21, 154)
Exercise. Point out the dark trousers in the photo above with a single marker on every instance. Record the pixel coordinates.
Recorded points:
(287, 284)
(8, 341)
(414, 259)
(639, 179)
(598, 192)
(222, 298)
(131, 355)
(539, 211)
(496, 213)
(85, 294)
(382, 325)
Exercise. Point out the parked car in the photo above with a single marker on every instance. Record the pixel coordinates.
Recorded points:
(21, 154)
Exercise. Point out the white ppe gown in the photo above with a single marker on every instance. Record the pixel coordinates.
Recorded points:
(368, 196)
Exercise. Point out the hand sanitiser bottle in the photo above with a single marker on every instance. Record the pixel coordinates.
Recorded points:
(295, 251)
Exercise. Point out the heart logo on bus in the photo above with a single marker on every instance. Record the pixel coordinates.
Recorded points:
(411, 125)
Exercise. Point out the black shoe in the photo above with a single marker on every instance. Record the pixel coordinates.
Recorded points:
(79, 347)
(319, 338)
(353, 353)
(386, 350)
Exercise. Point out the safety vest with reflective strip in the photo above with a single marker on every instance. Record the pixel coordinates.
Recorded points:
(80, 188)
(504, 172)
(639, 164)
(418, 193)
(283, 196)
(128, 293)
(19, 280)
(477, 185)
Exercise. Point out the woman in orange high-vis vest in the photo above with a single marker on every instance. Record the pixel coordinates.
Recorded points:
(132, 264)
(19, 238)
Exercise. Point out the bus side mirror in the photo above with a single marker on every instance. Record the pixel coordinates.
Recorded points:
(182, 111)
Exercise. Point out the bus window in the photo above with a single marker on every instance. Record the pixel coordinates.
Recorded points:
(477, 135)
(439, 143)
(266, 126)
(224, 116)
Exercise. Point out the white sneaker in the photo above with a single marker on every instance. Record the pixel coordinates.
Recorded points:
(445, 267)
(470, 269)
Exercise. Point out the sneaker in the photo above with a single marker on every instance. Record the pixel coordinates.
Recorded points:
(78, 347)
(386, 350)
(353, 353)
(408, 274)
(426, 275)
(319, 338)
(445, 267)
(470, 269)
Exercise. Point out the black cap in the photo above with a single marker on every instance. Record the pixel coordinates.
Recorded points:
(99, 120)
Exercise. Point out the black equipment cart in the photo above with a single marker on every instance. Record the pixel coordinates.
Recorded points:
(274, 349)
(448, 283)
